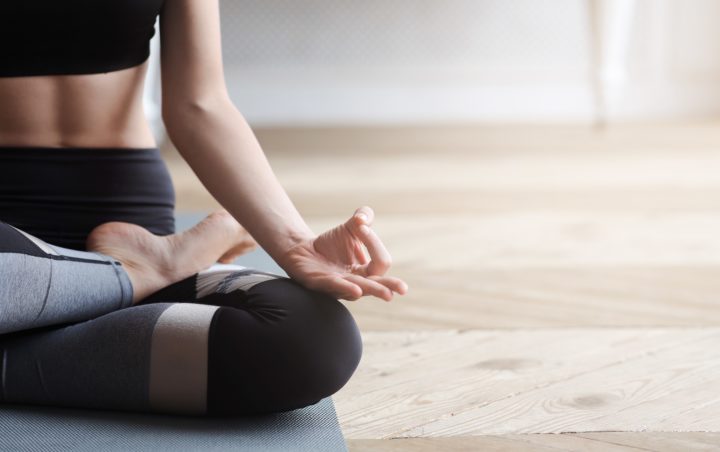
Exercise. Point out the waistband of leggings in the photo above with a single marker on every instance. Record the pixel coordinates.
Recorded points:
(93, 153)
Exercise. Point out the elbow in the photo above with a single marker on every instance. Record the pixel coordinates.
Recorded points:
(180, 114)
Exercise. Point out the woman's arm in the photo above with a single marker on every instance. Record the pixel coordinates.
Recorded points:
(212, 135)
(216, 141)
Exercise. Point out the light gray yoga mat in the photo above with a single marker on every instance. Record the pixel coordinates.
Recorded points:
(25, 428)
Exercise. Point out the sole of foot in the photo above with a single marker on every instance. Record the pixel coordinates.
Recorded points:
(153, 262)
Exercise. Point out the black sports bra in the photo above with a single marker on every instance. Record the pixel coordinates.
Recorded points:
(57, 37)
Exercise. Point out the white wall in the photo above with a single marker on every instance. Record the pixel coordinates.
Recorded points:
(674, 61)
(344, 61)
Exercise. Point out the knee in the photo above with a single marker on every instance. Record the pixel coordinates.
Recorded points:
(329, 344)
(303, 347)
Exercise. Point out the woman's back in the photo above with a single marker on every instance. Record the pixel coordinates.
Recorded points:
(94, 110)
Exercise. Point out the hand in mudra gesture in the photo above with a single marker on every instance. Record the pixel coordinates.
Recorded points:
(335, 263)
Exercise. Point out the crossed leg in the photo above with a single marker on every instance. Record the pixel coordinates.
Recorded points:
(226, 341)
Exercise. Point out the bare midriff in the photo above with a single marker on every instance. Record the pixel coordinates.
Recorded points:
(92, 111)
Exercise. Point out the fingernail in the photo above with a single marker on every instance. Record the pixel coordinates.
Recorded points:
(363, 217)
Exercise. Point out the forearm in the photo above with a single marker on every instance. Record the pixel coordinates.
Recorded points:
(222, 150)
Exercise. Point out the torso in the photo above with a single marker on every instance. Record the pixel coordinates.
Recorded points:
(76, 150)
(95, 110)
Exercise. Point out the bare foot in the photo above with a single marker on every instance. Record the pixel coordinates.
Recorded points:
(153, 262)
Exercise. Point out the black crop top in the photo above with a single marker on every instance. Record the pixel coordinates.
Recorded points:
(56, 37)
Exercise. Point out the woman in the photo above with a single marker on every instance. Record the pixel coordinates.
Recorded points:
(159, 330)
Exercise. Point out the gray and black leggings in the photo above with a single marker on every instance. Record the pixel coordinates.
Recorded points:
(229, 340)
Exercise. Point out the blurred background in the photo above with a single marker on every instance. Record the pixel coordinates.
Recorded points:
(404, 61)
(530, 163)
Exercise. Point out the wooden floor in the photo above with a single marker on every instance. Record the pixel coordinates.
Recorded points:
(564, 282)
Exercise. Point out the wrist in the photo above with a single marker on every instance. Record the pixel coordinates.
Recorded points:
(287, 240)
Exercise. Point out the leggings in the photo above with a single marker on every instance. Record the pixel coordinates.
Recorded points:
(61, 194)
(227, 341)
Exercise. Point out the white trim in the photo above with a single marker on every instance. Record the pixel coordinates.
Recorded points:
(223, 279)
(179, 359)
(39, 243)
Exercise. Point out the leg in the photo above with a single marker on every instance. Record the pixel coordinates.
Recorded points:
(190, 358)
(282, 347)
(218, 285)
(275, 342)
(43, 284)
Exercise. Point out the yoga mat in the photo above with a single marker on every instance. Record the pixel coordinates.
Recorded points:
(26, 428)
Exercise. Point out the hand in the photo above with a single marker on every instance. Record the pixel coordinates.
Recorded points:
(335, 262)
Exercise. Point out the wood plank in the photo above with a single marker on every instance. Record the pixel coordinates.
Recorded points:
(547, 240)
(459, 444)
(548, 297)
(453, 383)
(659, 441)
(422, 138)
(583, 442)
(441, 183)
(556, 171)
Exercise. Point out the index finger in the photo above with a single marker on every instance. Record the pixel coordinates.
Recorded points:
(380, 259)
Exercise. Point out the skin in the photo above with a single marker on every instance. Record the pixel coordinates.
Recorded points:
(105, 110)
(153, 262)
